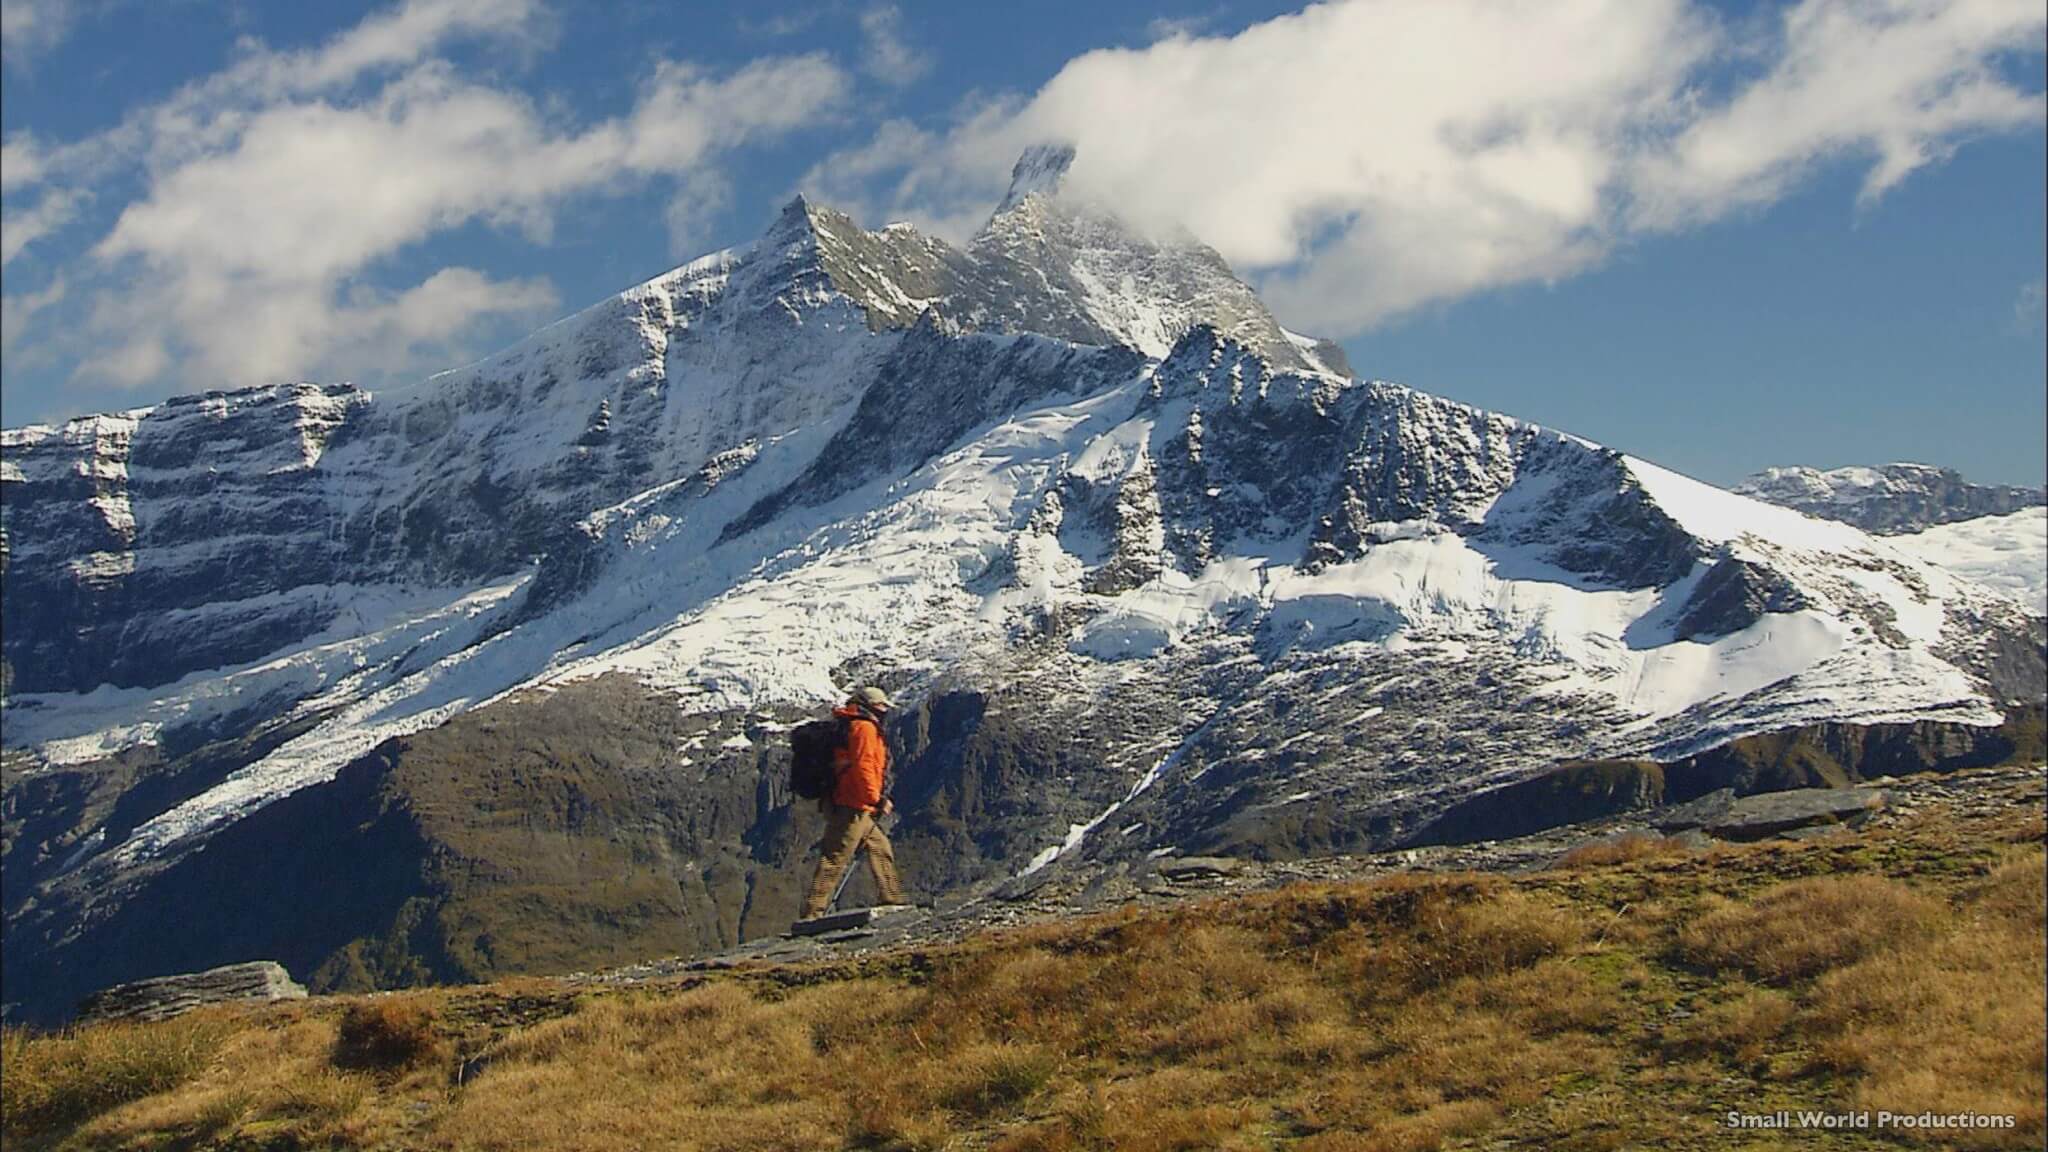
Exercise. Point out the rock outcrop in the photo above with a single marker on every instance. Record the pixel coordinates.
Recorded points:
(258, 981)
(1820, 765)
(1725, 816)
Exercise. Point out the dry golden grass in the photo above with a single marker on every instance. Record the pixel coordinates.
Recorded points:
(1746, 1026)
(386, 1033)
(1800, 929)
(1601, 1006)
(269, 1078)
(1892, 1020)
(1623, 850)
(56, 1079)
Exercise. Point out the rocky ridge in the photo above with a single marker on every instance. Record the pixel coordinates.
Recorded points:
(1891, 498)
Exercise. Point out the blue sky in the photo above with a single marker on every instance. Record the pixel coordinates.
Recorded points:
(1718, 236)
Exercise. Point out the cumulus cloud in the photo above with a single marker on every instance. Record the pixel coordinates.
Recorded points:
(275, 189)
(208, 113)
(890, 173)
(1364, 158)
(311, 193)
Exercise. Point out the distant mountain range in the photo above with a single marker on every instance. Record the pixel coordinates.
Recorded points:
(490, 674)
(1890, 499)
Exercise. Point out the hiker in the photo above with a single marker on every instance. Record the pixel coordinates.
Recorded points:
(854, 805)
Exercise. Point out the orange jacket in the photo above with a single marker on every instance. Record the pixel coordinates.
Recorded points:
(859, 765)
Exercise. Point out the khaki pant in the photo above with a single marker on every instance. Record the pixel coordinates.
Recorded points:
(847, 831)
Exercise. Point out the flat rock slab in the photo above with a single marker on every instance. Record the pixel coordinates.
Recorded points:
(1755, 817)
(1695, 813)
(855, 919)
(1198, 867)
(167, 996)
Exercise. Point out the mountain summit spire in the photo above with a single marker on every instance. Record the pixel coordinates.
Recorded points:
(1040, 169)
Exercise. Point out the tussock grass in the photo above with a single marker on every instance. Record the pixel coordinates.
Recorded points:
(1800, 929)
(387, 1033)
(1609, 1004)
(59, 1079)
(1891, 1019)
(1628, 849)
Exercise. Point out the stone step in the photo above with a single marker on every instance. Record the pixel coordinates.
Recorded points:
(853, 918)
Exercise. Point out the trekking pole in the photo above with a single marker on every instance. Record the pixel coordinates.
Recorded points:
(848, 874)
(843, 878)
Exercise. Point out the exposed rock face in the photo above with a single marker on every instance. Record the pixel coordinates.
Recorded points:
(1733, 595)
(1048, 265)
(1576, 506)
(1567, 794)
(259, 981)
(1197, 867)
(1891, 498)
(1718, 785)
(938, 383)
(133, 528)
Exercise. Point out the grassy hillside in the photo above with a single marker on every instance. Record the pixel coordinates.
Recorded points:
(1631, 996)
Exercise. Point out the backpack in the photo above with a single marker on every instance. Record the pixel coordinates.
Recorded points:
(811, 747)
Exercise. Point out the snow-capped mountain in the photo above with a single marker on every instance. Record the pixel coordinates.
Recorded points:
(1890, 499)
(1159, 574)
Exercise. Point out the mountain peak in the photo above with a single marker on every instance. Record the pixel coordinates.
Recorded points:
(1039, 171)
(799, 214)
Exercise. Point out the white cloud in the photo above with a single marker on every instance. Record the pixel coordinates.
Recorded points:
(782, 24)
(21, 162)
(1365, 158)
(684, 113)
(275, 189)
(858, 180)
(1900, 81)
(943, 182)
(18, 229)
(297, 327)
(885, 55)
(206, 114)
(31, 26)
(400, 36)
(16, 309)
(699, 197)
